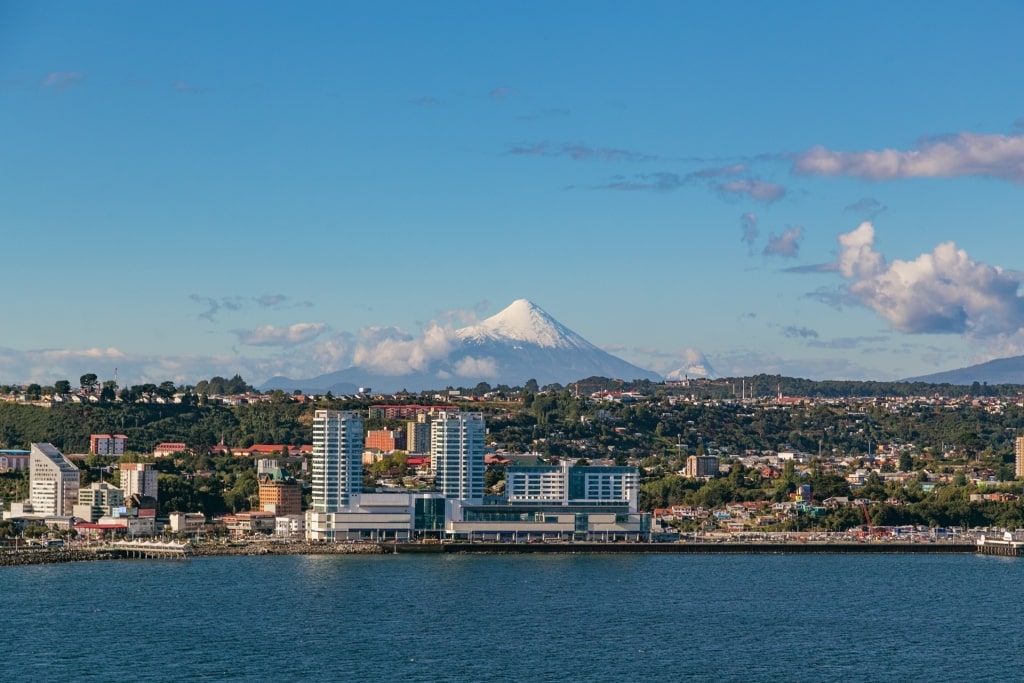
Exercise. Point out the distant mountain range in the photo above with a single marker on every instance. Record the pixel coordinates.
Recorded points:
(520, 343)
(999, 371)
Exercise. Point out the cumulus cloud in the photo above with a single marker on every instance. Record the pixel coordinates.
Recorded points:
(59, 80)
(748, 225)
(476, 367)
(963, 154)
(759, 190)
(787, 244)
(392, 351)
(269, 335)
(944, 291)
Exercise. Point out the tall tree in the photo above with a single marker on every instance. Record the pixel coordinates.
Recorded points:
(88, 381)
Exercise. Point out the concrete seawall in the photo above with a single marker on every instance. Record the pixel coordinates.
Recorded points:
(687, 548)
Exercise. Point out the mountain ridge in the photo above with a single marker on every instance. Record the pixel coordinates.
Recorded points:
(1008, 370)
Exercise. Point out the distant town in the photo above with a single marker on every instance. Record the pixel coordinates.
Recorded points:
(596, 461)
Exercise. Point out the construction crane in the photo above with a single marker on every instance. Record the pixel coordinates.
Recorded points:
(871, 531)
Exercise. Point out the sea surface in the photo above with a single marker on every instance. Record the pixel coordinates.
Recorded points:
(516, 618)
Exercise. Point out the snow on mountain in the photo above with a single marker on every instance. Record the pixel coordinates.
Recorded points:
(520, 343)
(524, 321)
(696, 365)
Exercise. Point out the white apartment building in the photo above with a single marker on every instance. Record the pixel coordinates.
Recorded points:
(138, 478)
(457, 455)
(337, 469)
(53, 481)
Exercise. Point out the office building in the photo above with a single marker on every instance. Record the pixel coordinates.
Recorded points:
(457, 455)
(53, 481)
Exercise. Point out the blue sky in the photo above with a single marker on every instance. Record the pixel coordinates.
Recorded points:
(817, 190)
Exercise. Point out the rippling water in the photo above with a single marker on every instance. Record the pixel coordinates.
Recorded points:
(516, 618)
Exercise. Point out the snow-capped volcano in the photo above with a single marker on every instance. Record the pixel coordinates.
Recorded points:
(520, 343)
(524, 321)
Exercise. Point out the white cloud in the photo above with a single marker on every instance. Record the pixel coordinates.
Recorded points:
(476, 367)
(392, 351)
(269, 335)
(963, 154)
(944, 291)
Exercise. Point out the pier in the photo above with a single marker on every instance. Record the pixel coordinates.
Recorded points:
(146, 550)
(1005, 546)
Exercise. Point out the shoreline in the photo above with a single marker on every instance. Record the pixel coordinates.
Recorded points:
(16, 558)
(12, 558)
(742, 548)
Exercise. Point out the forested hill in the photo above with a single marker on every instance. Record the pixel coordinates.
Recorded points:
(758, 386)
(146, 425)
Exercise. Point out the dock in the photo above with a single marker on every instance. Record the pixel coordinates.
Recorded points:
(1006, 546)
(146, 550)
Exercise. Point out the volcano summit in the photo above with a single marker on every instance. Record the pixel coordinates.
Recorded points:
(521, 342)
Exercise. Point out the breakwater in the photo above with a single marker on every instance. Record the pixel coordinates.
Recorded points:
(292, 548)
(685, 548)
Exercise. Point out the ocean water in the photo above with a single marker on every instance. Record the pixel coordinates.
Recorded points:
(516, 618)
